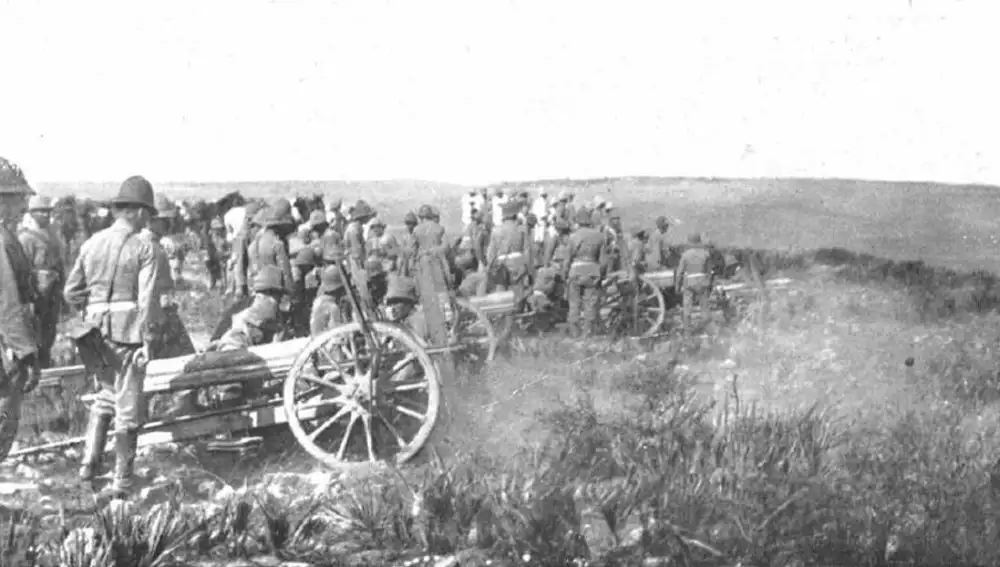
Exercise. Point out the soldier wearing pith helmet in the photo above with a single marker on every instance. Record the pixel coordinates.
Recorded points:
(19, 371)
(43, 250)
(115, 281)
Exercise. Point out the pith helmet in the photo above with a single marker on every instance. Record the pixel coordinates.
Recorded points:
(136, 191)
(330, 280)
(281, 214)
(362, 211)
(269, 279)
(39, 203)
(401, 289)
(12, 181)
(583, 217)
(410, 218)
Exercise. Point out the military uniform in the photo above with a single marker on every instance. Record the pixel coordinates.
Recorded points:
(660, 252)
(407, 245)
(511, 248)
(586, 267)
(329, 310)
(472, 247)
(694, 278)
(116, 280)
(175, 246)
(219, 251)
(44, 252)
(430, 244)
(19, 369)
(269, 248)
(240, 260)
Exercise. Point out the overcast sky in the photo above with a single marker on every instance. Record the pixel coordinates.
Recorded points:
(473, 91)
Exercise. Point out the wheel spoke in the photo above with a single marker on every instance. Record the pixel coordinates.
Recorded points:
(392, 429)
(366, 419)
(407, 386)
(321, 382)
(347, 436)
(399, 366)
(329, 423)
(412, 413)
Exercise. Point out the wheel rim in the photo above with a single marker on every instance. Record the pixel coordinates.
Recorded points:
(473, 332)
(340, 415)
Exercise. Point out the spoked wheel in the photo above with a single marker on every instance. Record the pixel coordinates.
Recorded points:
(471, 330)
(342, 410)
(616, 308)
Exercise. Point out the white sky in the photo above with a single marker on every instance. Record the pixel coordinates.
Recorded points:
(474, 91)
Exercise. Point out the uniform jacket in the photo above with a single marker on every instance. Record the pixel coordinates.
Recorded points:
(45, 254)
(241, 256)
(659, 249)
(269, 249)
(17, 293)
(325, 315)
(354, 242)
(694, 271)
(509, 238)
(587, 252)
(134, 286)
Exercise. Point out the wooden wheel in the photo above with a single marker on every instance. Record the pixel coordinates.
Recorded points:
(472, 330)
(342, 410)
(616, 307)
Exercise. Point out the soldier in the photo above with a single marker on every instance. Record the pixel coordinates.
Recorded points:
(638, 250)
(241, 244)
(330, 309)
(173, 244)
(304, 271)
(694, 278)
(19, 365)
(510, 251)
(256, 325)
(269, 248)
(585, 269)
(218, 250)
(354, 236)
(407, 245)
(557, 247)
(403, 307)
(661, 253)
(317, 226)
(116, 279)
(43, 250)
(472, 246)
(430, 243)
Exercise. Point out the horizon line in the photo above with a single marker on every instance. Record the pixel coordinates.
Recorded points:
(587, 180)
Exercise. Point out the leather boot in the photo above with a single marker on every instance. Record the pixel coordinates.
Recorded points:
(94, 441)
(126, 443)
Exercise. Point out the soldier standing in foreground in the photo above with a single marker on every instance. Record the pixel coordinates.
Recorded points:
(19, 369)
(116, 279)
(43, 251)
(695, 274)
(584, 271)
(511, 247)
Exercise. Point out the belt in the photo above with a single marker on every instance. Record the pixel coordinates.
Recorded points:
(510, 256)
(111, 307)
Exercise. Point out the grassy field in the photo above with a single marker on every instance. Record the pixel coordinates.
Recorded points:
(854, 422)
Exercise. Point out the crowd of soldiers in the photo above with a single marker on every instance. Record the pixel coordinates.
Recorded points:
(288, 279)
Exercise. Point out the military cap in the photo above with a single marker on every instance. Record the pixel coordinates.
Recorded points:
(410, 218)
(280, 214)
(425, 212)
(12, 181)
(401, 289)
(330, 280)
(269, 278)
(39, 203)
(136, 191)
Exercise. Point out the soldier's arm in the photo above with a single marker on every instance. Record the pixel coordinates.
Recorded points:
(34, 252)
(285, 263)
(479, 247)
(17, 325)
(240, 260)
(75, 290)
(148, 291)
